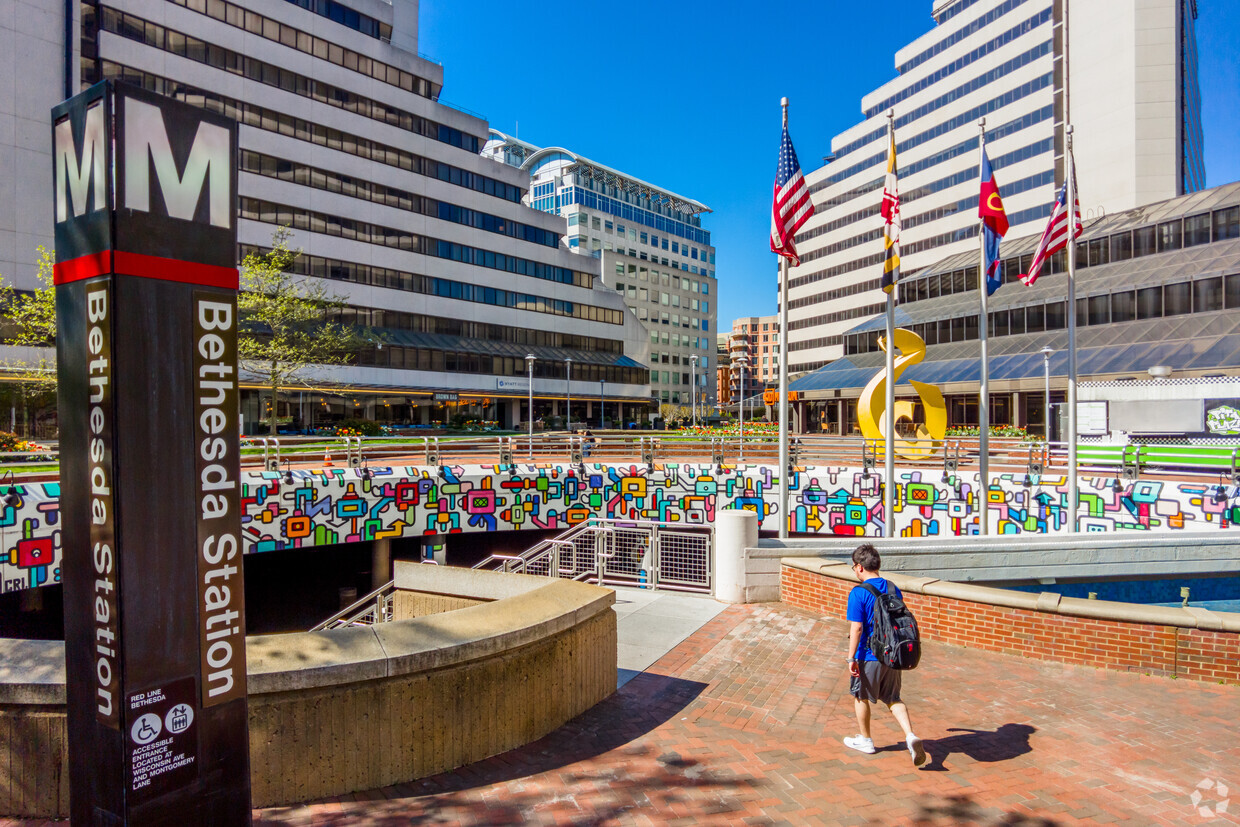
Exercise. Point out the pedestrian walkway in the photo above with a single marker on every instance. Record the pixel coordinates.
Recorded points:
(741, 723)
(649, 624)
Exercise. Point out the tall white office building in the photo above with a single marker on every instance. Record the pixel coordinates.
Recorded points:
(654, 253)
(1134, 104)
(343, 139)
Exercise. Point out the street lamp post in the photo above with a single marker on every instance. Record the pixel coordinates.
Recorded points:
(601, 414)
(529, 363)
(568, 387)
(693, 360)
(741, 361)
(1046, 401)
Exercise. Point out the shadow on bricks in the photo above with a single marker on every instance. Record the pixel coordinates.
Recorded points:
(1003, 744)
(962, 809)
(642, 705)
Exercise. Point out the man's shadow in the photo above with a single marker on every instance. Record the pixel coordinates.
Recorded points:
(1003, 744)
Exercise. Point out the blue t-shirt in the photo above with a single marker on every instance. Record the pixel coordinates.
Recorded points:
(861, 610)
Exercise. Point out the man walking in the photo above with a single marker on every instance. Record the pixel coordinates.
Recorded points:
(873, 681)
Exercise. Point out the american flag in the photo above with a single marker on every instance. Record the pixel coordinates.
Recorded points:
(791, 207)
(891, 221)
(1055, 236)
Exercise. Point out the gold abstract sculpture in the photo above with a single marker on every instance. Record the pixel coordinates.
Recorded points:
(872, 406)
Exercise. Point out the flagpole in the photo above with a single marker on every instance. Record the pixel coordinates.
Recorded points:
(1073, 491)
(1070, 206)
(983, 325)
(889, 443)
(785, 475)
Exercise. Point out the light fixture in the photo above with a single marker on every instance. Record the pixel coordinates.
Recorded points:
(1027, 482)
(1116, 485)
(1220, 494)
(11, 497)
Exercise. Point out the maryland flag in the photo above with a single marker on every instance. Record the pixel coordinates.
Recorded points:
(891, 221)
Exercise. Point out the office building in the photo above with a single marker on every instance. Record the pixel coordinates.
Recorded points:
(653, 249)
(1134, 104)
(454, 280)
(1158, 295)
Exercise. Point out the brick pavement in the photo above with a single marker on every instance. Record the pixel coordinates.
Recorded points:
(741, 724)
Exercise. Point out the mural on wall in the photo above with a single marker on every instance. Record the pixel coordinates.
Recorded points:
(339, 505)
(30, 536)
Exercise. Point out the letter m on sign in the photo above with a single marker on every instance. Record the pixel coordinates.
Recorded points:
(76, 171)
(209, 164)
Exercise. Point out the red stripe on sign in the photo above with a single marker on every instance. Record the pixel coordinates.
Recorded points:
(171, 269)
(82, 267)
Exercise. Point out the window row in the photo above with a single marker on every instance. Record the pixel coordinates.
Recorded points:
(663, 337)
(594, 201)
(484, 331)
(633, 234)
(335, 270)
(452, 361)
(1178, 233)
(810, 344)
(285, 170)
(1179, 299)
(964, 60)
(1015, 219)
(970, 173)
(935, 104)
(968, 145)
(960, 34)
(636, 293)
(636, 271)
(657, 358)
(301, 129)
(135, 28)
(837, 316)
(283, 33)
(345, 16)
(316, 222)
(837, 293)
(966, 204)
(669, 378)
(674, 319)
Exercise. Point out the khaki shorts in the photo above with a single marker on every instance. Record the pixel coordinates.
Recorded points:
(876, 683)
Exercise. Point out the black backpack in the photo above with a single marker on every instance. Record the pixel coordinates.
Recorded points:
(894, 640)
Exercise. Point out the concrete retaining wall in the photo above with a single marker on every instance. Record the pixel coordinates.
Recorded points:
(1188, 643)
(353, 709)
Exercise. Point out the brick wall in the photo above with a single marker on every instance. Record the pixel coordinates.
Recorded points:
(1195, 654)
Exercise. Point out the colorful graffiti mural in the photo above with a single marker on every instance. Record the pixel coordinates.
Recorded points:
(343, 506)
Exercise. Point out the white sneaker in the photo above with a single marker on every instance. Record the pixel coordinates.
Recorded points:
(916, 750)
(860, 744)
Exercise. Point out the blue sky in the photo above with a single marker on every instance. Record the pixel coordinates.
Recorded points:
(685, 94)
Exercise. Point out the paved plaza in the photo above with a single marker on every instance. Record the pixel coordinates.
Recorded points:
(741, 721)
(741, 724)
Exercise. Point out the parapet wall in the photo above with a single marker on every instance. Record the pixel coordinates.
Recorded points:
(1191, 643)
(353, 709)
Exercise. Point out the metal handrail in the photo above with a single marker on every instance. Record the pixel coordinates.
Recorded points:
(370, 603)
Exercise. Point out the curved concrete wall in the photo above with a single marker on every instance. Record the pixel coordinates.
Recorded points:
(353, 709)
(1188, 643)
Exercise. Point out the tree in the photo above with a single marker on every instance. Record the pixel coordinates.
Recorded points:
(283, 327)
(30, 322)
